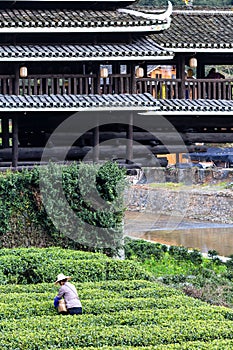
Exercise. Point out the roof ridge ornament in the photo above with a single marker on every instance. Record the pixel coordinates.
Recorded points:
(160, 17)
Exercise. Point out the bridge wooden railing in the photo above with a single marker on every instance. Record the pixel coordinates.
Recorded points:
(74, 84)
(7, 84)
(117, 84)
(190, 89)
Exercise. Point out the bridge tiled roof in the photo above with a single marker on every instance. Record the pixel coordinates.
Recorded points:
(116, 101)
(138, 49)
(68, 20)
(77, 102)
(194, 106)
(198, 30)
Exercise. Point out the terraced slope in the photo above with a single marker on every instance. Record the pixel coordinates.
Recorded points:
(117, 314)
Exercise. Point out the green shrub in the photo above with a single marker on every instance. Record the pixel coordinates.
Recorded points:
(143, 250)
(23, 212)
(95, 307)
(45, 264)
(68, 335)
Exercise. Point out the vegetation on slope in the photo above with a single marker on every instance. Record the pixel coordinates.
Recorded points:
(77, 206)
(118, 312)
(208, 279)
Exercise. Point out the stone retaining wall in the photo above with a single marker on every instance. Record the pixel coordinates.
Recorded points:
(203, 205)
(189, 175)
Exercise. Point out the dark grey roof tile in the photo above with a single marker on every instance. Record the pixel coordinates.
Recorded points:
(77, 101)
(195, 105)
(138, 48)
(202, 29)
(27, 19)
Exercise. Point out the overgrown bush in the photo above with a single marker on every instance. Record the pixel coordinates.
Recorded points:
(80, 206)
(142, 250)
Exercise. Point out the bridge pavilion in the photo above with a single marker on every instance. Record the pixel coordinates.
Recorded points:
(60, 58)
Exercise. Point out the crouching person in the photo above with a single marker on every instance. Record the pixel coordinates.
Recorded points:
(68, 293)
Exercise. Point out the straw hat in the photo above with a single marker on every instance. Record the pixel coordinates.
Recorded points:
(62, 277)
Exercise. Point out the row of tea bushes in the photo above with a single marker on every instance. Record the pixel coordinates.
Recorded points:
(124, 318)
(66, 334)
(46, 264)
(216, 345)
(95, 307)
(94, 294)
(161, 322)
(113, 285)
(51, 253)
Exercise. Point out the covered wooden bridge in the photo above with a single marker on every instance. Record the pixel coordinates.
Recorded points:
(58, 58)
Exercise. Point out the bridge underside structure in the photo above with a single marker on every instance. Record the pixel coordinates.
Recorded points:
(64, 60)
(123, 129)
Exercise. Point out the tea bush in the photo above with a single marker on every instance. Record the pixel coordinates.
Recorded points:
(117, 314)
(43, 266)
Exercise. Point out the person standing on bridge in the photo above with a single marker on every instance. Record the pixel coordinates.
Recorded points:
(214, 75)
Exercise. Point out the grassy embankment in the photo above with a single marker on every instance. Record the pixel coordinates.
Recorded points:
(208, 279)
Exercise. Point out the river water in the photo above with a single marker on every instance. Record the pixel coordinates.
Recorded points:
(188, 233)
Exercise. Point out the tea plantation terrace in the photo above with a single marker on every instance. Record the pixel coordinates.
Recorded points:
(123, 307)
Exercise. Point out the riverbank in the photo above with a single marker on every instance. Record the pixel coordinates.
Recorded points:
(211, 203)
(173, 214)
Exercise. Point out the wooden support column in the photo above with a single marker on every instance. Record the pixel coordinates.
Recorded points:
(181, 75)
(115, 83)
(15, 142)
(144, 66)
(96, 68)
(129, 137)
(96, 141)
(200, 69)
(5, 132)
(16, 89)
(133, 78)
(15, 128)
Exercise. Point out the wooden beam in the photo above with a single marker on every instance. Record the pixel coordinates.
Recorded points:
(109, 151)
(129, 137)
(96, 144)
(15, 142)
(145, 137)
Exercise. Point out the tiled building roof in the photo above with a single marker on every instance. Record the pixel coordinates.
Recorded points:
(198, 30)
(29, 20)
(121, 101)
(194, 106)
(138, 49)
(77, 102)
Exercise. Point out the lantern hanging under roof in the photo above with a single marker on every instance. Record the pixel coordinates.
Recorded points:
(103, 72)
(23, 72)
(193, 62)
(139, 72)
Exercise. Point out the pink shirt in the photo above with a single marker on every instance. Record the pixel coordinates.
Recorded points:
(69, 293)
